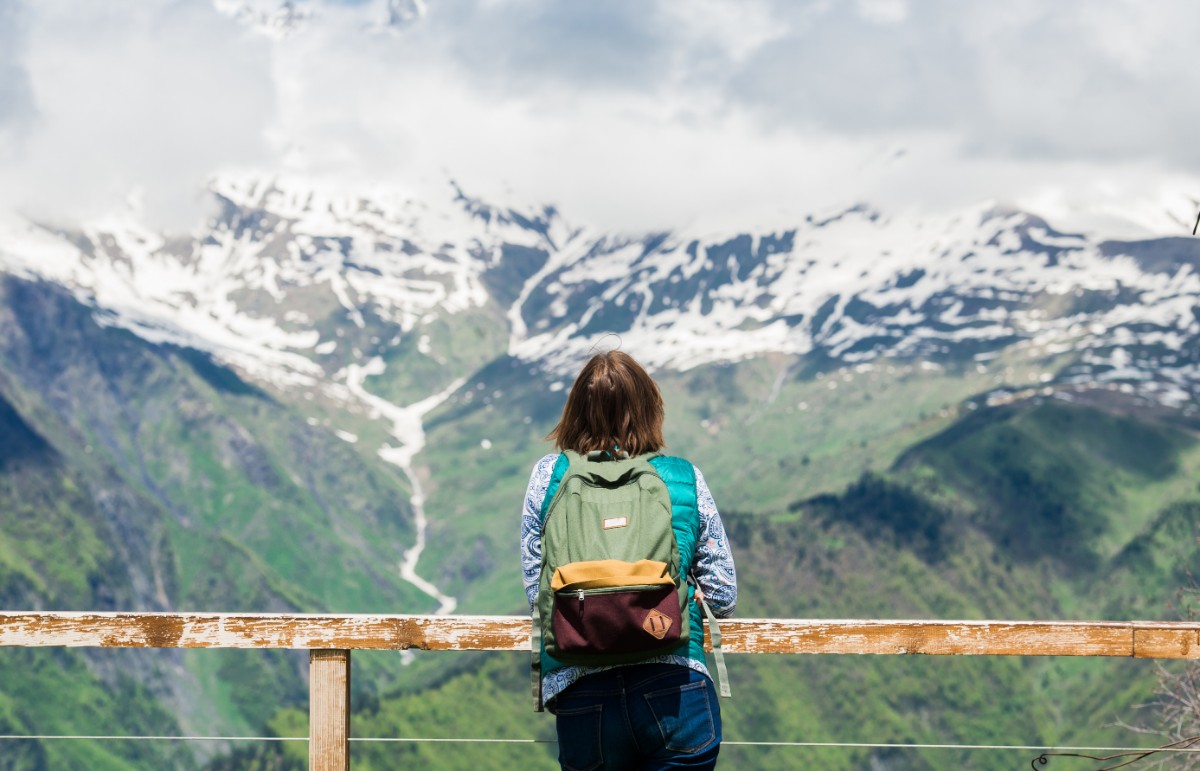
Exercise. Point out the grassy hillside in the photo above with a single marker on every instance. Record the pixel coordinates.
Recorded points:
(765, 432)
(53, 555)
(1040, 509)
(135, 476)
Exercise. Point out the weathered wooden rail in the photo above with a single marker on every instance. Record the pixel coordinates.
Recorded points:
(330, 638)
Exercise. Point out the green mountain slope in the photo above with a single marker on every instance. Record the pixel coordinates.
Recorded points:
(135, 477)
(52, 555)
(1039, 509)
(149, 477)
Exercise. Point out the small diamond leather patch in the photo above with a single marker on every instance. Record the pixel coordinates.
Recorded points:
(657, 624)
(612, 522)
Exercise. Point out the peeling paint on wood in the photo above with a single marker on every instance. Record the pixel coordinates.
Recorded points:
(978, 638)
(302, 631)
(511, 633)
(1166, 642)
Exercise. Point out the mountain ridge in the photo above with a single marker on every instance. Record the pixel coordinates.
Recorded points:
(282, 280)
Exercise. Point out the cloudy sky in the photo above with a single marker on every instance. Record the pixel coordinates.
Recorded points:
(629, 114)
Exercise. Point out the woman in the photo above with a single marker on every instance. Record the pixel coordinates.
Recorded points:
(661, 712)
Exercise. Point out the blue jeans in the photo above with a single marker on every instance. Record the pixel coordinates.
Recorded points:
(642, 716)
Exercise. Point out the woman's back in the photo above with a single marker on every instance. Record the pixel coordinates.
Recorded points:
(614, 413)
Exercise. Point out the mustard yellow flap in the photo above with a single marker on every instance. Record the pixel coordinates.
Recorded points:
(599, 574)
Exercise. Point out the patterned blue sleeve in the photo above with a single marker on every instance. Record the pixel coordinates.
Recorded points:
(531, 526)
(714, 561)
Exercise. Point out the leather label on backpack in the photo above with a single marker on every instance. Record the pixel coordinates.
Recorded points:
(613, 522)
(657, 624)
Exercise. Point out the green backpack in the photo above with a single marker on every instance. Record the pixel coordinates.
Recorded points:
(611, 590)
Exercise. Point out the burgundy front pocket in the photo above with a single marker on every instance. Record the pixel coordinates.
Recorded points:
(629, 619)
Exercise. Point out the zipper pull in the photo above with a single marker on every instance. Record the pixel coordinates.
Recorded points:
(581, 601)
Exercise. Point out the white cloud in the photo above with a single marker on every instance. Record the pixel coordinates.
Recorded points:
(736, 27)
(629, 114)
(15, 99)
(132, 94)
(883, 11)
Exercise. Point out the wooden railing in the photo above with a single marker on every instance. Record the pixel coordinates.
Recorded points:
(330, 638)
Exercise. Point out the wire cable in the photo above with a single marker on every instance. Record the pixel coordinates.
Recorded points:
(887, 745)
(47, 737)
(730, 743)
(397, 739)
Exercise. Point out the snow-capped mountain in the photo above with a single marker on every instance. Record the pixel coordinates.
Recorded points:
(256, 284)
(292, 283)
(858, 284)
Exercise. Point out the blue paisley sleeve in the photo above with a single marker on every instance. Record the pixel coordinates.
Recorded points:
(714, 560)
(531, 526)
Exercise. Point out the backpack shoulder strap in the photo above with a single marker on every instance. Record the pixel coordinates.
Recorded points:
(714, 635)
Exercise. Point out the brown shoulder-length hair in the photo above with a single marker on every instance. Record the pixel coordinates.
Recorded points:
(614, 403)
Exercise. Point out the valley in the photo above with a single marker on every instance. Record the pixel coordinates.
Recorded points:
(324, 401)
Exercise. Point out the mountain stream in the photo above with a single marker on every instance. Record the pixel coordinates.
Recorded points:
(407, 429)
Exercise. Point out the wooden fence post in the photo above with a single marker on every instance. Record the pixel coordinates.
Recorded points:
(329, 710)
